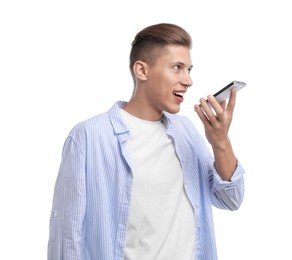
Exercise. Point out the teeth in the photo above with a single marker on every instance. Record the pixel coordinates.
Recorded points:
(179, 93)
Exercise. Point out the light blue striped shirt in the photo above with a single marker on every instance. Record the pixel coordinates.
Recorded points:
(93, 188)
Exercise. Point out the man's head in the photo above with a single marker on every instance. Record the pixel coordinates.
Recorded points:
(149, 43)
(160, 64)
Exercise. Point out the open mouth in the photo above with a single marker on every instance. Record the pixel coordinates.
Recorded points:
(178, 94)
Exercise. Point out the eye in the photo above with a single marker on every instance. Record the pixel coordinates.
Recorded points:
(190, 68)
(177, 67)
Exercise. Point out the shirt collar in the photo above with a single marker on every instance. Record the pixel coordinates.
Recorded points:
(117, 122)
(119, 125)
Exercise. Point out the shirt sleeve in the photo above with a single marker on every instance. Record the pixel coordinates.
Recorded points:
(228, 194)
(69, 203)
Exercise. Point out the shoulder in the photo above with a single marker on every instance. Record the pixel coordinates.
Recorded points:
(105, 124)
(92, 126)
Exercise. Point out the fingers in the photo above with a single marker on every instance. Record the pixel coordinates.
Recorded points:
(207, 114)
(216, 117)
(201, 113)
(211, 105)
(214, 103)
(210, 108)
(211, 112)
(232, 100)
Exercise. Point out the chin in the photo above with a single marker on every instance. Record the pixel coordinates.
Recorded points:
(173, 110)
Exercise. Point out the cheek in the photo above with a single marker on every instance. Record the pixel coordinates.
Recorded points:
(162, 85)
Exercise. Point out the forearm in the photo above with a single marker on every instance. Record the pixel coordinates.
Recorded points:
(225, 160)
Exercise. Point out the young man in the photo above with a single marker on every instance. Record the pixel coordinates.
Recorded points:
(138, 182)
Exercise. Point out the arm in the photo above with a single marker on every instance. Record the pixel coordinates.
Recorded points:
(217, 125)
(68, 210)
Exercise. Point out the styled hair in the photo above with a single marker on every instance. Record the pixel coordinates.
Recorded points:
(149, 43)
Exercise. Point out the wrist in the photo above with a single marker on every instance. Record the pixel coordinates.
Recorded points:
(222, 146)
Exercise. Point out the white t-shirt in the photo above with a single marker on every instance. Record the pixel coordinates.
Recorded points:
(161, 218)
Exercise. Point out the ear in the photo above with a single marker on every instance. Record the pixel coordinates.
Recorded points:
(140, 70)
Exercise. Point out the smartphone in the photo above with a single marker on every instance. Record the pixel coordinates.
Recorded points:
(224, 93)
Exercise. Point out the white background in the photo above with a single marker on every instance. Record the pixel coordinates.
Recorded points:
(64, 61)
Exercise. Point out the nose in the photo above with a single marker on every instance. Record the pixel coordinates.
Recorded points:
(187, 80)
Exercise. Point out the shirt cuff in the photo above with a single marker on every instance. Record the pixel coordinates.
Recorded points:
(237, 175)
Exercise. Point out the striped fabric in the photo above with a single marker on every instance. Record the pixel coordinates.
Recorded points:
(92, 191)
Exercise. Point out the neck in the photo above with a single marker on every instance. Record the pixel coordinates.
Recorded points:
(139, 107)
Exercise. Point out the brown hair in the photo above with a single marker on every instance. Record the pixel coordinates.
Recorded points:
(149, 42)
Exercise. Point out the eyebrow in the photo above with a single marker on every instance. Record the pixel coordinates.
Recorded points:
(183, 64)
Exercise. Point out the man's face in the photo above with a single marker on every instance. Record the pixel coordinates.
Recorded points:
(168, 79)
